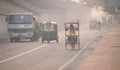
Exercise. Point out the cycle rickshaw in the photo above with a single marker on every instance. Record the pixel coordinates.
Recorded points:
(72, 41)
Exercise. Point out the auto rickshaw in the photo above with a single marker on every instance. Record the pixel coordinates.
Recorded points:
(49, 31)
(74, 40)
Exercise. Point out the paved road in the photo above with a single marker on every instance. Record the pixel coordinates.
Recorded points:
(38, 56)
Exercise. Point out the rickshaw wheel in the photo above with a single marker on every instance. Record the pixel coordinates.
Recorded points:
(66, 45)
(42, 41)
(78, 43)
(17, 39)
(11, 39)
(72, 47)
(78, 46)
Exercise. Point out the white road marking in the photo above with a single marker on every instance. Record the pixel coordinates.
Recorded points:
(11, 58)
(63, 66)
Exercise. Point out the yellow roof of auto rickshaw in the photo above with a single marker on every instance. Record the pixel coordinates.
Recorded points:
(46, 22)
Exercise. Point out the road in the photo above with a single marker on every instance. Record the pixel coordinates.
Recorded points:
(48, 56)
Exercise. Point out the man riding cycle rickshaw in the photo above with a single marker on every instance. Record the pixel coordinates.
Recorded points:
(72, 34)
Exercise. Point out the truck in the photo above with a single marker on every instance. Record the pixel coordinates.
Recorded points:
(22, 26)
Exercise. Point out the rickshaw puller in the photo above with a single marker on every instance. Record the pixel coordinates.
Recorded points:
(71, 37)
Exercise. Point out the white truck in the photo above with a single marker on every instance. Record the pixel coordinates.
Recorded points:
(22, 26)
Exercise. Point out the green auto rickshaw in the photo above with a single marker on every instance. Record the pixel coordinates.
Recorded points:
(49, 31)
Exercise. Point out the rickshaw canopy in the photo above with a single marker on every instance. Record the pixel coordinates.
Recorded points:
(72, 21)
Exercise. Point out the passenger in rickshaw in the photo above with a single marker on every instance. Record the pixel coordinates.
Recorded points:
(71, 37)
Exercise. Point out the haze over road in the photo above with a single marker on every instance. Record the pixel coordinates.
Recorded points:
(47, 56)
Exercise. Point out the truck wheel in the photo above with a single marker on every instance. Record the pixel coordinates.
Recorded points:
(11, 39)
(57, 40)
(17, 39)
(31, 39)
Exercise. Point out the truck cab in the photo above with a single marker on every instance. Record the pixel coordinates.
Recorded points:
(22, 26)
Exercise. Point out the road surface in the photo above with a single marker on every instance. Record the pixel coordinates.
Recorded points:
(27, 55)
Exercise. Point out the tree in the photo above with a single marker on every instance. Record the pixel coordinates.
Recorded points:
(109, 5)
